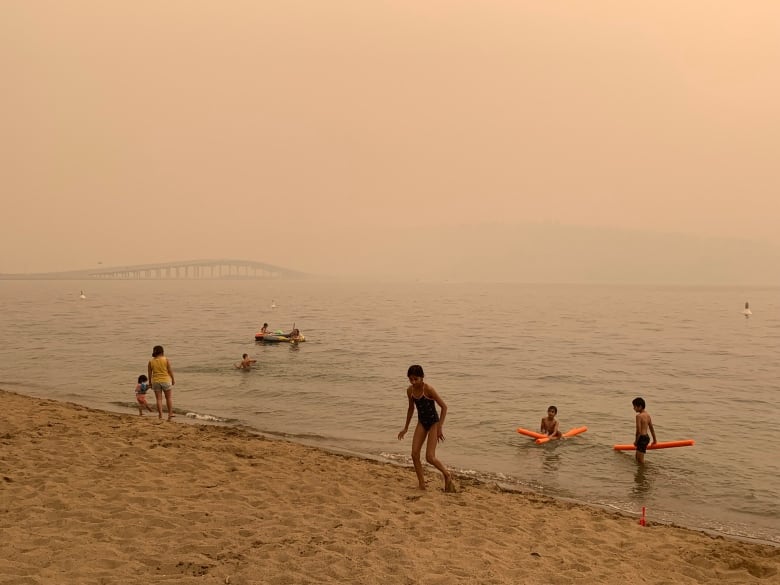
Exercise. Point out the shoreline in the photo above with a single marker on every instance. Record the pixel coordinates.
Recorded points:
(95, 496)
(506, 487)
(473, 478)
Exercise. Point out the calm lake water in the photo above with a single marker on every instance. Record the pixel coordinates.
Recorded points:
(498, 354)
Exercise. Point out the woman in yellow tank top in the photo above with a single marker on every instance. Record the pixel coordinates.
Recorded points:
(161, 379)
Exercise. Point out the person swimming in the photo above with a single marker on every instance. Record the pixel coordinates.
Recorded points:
(245, 363)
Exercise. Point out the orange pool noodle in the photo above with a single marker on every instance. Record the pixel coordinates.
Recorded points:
(566, 435)
(532, 434)
(662, 445)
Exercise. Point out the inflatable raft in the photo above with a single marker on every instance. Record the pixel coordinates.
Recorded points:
(279, 338)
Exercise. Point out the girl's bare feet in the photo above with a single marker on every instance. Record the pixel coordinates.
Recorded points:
(449, 485)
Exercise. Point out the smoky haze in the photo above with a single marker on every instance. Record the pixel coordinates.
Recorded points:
(493, 140)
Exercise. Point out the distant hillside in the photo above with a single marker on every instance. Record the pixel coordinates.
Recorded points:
(556, 253)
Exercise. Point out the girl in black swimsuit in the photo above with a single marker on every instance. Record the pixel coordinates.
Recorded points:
(429, 425)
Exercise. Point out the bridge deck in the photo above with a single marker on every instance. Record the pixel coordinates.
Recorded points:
(187, 269)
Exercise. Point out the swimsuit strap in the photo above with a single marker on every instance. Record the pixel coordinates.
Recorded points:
(421, 395)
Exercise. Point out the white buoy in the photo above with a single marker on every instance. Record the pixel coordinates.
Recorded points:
(273, 304)
(747, 312)
(83, 296)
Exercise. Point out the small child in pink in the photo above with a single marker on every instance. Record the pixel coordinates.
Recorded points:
(140, 394)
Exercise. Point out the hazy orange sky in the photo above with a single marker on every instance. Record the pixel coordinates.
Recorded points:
(290, 132)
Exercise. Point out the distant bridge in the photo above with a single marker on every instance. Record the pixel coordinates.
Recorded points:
(188, 269)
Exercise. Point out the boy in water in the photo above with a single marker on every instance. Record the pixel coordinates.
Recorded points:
(643, 424)
(246, 363)
(140, 394)
(549, 425)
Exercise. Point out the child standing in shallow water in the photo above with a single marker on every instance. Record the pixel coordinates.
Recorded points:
(140, 394)
(643, 424)
(161, 376)
(429, 425)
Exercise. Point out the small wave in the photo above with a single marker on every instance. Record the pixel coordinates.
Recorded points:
(205, 417)
(193, 415)
(396, 457)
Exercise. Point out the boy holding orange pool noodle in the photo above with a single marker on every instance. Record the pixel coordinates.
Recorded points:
(643, 424)
(549, 425)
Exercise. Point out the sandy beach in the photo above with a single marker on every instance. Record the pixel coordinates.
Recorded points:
(88, 496)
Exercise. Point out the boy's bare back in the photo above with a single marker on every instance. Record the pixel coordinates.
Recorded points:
(643, 423)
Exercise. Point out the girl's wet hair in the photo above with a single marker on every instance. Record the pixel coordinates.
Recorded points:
(415, 371)
(158, 350)
(638, 401)
(142, 378)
